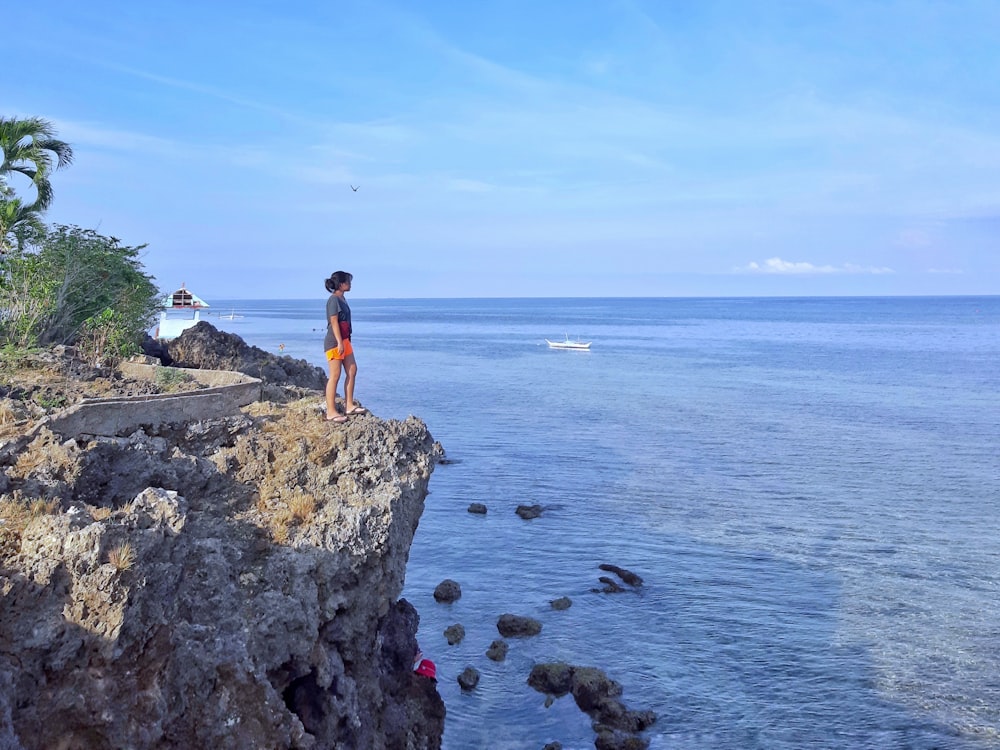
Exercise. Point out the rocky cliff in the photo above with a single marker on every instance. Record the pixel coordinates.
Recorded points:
(223, 584)
(204, 346)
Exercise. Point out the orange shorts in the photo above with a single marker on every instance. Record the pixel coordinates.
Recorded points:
(348, 349)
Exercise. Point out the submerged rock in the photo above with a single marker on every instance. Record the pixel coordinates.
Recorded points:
(477, 508)
(611, 586)
(626, 575)
(527, 512)
(454, 634)
(563, 602)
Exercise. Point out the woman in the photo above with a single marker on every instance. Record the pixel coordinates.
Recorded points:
(339, 352)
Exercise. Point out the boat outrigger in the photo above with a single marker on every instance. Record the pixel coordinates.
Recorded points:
(181, 310)
(569, 344)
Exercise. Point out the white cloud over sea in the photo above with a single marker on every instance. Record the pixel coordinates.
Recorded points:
(787, 267)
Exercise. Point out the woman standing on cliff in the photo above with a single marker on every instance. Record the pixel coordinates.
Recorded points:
(339, 352)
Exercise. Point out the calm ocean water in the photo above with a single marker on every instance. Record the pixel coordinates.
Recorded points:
(809, 487)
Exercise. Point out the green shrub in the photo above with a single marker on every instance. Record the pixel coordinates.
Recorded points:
(170, 378)
(69, 285)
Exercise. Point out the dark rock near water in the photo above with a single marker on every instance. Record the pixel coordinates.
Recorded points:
(527, 512)
(553, 746)
(454, 633)
(518, 626)
(611, 586)
(205, 347)
(563, 602)
(608, 739)
(469, 678)
(598, 696)
(626, 575)
(477, 508)
(553, 678)
(447, 591)
(497, 650)
(157, 349)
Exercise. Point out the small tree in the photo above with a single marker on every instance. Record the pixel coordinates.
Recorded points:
(70, 284)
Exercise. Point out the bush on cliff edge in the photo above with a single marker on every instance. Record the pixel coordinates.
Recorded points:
(69, 285)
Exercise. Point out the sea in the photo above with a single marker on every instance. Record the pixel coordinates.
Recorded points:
(809, 489)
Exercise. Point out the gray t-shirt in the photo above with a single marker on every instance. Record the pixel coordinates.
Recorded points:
(337, 307)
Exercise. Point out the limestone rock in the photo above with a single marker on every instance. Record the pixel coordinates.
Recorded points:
(231, 586)
(517, 626)
(203, 346)
(454, 633)
(611, 586)
(598, 696)
(626, 575)
(497, 650)
(447, 591)
(527, 512)
(469, 678)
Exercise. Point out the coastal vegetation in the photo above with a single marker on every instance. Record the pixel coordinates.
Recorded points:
(28, 147)
(62, 284)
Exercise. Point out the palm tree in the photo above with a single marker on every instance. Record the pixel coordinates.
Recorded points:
(16, 220)
(28, 147)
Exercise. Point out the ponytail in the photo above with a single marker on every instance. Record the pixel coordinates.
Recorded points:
(336, 279)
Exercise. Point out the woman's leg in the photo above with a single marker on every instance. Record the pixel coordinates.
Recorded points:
(331, 389)
(351, 371)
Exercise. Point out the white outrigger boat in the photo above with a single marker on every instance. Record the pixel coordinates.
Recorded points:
(569, 344)
(181, 310)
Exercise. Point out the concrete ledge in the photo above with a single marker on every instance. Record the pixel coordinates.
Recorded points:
(226, 393)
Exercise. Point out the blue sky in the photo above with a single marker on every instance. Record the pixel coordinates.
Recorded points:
(537, 148)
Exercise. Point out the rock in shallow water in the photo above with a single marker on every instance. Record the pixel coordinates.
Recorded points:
(469, 678)
(626, 575)
(497, 650)
(596, 695)
(447, 591)
(518, 626)
(454, 633)
(527, 512)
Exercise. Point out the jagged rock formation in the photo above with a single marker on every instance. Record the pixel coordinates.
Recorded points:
(203, 346)
(598, 696)
(224, 584)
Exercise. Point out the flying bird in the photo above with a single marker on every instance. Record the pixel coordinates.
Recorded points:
(355, 189)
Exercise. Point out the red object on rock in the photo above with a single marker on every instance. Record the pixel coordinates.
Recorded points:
(426, 668)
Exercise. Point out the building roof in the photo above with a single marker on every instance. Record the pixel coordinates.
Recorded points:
(183, 298)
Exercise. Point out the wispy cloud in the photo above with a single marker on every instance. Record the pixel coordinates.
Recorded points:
(469, 186)
(786, 267)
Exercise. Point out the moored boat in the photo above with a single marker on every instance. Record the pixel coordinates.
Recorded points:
(181, 310)
(569, 344)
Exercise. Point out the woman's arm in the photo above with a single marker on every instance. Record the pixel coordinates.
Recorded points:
(335, 326)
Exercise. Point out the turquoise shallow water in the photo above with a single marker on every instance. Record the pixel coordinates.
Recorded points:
(809, 487)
